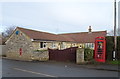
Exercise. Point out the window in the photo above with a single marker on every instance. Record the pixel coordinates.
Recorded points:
(86, 45)
(93, 45)
(42, 44)
(89, 45)
(62, 45)
(53, 45)
(81, 46)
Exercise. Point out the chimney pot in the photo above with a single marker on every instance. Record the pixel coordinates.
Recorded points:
(89, 30)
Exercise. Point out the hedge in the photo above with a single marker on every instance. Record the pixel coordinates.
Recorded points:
(110, 47)
(88, 54)
(118, 47)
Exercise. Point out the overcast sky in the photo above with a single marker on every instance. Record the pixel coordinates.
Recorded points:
(58, 16)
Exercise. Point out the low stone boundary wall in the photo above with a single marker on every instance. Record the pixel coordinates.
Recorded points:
(43, 55)
(2, 49)
(40, 55)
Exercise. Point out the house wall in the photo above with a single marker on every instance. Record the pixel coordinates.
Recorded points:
(36, 45)
(56, 45)
(80, 45)
(15, 42)
(49, 44)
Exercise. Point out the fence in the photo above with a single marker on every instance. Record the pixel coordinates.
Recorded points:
(68, 54)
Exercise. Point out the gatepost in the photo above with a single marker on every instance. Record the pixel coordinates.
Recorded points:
(80, 55)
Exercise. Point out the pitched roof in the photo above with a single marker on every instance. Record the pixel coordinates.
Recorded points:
(39, 35)
(85, 37)
(82, 37)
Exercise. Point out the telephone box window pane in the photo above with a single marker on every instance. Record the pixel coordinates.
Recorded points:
(100, 45)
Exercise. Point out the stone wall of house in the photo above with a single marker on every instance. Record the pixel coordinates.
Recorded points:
(15, 42)
(79, 45)
(49, 44)
(56, 45)
(36, 45)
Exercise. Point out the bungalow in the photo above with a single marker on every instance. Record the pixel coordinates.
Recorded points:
(24, 41)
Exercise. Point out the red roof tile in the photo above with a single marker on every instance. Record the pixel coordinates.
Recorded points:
(38, 35)
(83, 37)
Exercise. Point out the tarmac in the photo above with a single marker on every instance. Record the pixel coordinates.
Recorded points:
(107, 67)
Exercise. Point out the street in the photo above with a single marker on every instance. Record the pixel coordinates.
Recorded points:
(13, 68)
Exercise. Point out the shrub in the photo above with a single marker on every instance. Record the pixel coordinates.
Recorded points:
(88, 54)
(118, 47)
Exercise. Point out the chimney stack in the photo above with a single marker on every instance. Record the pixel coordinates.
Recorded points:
(89, 30)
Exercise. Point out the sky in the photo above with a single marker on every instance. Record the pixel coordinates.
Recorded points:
(119, 15)
(57, 16)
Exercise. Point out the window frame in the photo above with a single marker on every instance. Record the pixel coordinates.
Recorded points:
(43, 44)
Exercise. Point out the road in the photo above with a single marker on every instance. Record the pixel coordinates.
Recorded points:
(0, 67)
(13, 68)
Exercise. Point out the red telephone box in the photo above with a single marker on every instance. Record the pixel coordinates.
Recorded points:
(100, 49)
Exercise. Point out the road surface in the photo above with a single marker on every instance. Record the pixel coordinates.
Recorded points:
(13, 68)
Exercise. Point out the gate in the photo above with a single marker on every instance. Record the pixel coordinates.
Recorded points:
(68, 54)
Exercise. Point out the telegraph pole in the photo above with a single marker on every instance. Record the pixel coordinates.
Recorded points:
(115, 37)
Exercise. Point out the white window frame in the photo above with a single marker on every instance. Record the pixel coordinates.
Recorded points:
(43, 45)
(53, 45)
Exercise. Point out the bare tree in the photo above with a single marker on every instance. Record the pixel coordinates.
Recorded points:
(118, 31)
(8, 31)
(111, 33)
